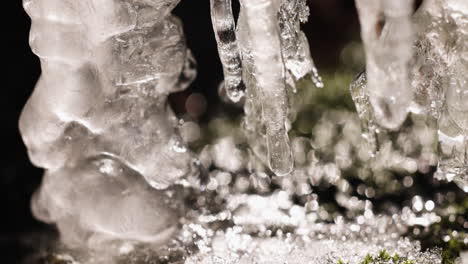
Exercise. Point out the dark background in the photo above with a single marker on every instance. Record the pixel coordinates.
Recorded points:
(332, 23)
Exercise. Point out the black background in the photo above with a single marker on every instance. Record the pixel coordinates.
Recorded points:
(331, 24)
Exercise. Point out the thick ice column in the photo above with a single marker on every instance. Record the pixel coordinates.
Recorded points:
(453, 151)
(98, 121)
(262, 23)
(441, 83)
(228, 50)
(453, 123)
(388, 52)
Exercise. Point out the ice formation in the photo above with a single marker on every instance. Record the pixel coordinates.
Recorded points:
(275, 54)
(388, 51)
(100, 124)
(294, 45)
(430, 82)
(267, 54)
(266, 60)
(225, 32)
(271, 228)
(98, 120)
(447, 49)
(361, 100)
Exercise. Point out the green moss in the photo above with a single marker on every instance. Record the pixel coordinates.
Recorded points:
(368, 259)
(451, 251)
(433, 236)
(383, 257)
(314, 101)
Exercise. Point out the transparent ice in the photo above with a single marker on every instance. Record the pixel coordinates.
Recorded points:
(270, 85)
(225, 32)
(387, 36)
(98, 120)
(435, 72)
(123, 184)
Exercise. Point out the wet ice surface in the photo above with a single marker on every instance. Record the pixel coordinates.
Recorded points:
(360, 97)
(242, 217)
(294, 44)
(270, 229)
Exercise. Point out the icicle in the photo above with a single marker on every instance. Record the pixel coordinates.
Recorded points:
(360, 97)
(453, 134)
(261, 19)
(453, 152)
(441, 84)
(294, 44)
(456, 101)
(387, 55)
(224, 28)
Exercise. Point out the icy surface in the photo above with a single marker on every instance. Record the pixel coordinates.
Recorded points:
(101, 200)
(272, 229)
(453, 152)
(230, 249)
